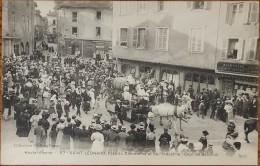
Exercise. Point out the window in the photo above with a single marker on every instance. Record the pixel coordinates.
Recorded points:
(123, 37)
(236, 13)
(254, 49)
(98, 31)
(28, 24)
(196, 40)
(54, 30)
(254, 12)
(139, 37)
(124, 8)
(99, 15)
(74, 31)
(53, 22)
(13, 22)
(232, 48)
(242, 13)
(141, 7)
(160, 6)
(198, 4)
(162, 35)
(74, 17)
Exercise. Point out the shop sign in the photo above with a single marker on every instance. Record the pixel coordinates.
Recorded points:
(247, 69)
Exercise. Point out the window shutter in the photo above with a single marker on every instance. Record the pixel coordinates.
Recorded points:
(252, 50)
(189, 4)
(199, 41)
(254, 12)
(207, 5)
(246, 12)
(145, 38)
(135, 36)
(228, 14)
(240, 49)
(101, 32)
(224, 48)
(193, 40)
(164, 39)
(166, 6)
(117, 36)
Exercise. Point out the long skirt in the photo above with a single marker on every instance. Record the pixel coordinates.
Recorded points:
(65, 143)
(97, 146)
(59, 138)
(40, 101)
(46, 103)
(31, 136)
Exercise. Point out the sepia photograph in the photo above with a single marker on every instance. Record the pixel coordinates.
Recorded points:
(129, 82)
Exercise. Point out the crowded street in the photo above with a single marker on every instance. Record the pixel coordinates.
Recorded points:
(24, 104)
(148, 82)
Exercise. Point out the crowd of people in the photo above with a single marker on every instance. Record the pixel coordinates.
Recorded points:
(44, 92)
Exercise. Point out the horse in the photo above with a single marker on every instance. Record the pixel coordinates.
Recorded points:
(171, 111)
(249, 126)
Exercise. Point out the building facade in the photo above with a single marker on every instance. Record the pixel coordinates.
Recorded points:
(84, 27)
(18, 27)
(237, 55)
(41, 25)
(173, 41)
(52, 27)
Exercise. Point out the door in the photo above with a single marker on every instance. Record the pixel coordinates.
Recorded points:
(228, 87)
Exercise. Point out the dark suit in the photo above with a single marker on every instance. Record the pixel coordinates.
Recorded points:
(118, 111)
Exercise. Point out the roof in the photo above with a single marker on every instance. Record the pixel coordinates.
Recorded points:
(51, 13)
(86, 4)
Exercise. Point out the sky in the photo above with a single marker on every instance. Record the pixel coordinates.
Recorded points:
(45, 6)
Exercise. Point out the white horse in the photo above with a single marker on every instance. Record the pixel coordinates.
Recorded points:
(170, 111)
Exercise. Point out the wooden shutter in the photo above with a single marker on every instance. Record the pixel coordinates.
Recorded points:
(246, 9)
(224, 48)
(207, 5)
(145, 38)
(240, 49)
(254, 12)
(165, 39)
(135, 37)
(117, 37)
(199, 40)
(228, 14)
(189, 4)
(193, 40)
(252, 49)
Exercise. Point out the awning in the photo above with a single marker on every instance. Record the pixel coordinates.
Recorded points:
(246, 82)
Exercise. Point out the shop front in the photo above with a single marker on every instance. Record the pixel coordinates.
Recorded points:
(199, 80)
(238, 78)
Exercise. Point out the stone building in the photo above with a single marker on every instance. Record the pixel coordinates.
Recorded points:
(173, 41)
(18, 27)
(84, 27)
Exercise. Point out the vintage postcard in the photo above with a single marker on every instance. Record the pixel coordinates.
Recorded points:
(130, 82)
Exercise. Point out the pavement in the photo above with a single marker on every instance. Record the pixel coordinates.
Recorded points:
(193, 129)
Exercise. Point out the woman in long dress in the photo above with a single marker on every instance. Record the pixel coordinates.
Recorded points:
(40, 93)
(34, 124)
(60, 128)
(66, 139)
(98, 140)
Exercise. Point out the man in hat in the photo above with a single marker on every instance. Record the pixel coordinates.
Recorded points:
(67, 108)
(122, 135)
(78, 104)
(165, 140)
(112, 139)
(119, 111)
(201, 109)
(254, 109)
(203, 139)
(141, 137)
(59, 108)
(183, 147)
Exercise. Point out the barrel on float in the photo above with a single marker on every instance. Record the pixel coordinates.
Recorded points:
(119, 83)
